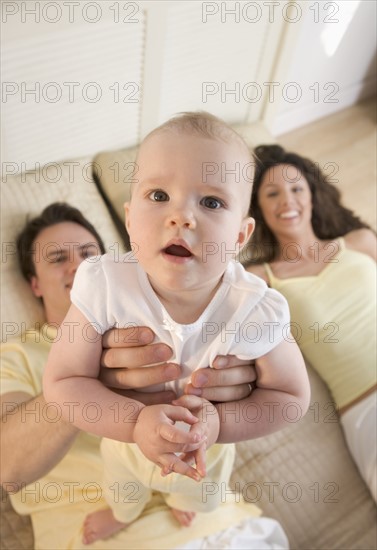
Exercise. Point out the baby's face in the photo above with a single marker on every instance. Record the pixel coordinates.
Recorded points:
(188, 214)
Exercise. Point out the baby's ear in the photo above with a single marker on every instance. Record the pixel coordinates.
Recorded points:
(247, 228)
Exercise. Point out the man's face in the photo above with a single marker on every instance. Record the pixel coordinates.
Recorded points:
(188, 212)
(58, 251)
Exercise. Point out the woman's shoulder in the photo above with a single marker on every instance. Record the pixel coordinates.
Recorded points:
(362, 240)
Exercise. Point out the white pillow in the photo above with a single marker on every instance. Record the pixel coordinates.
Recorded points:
(24, 196)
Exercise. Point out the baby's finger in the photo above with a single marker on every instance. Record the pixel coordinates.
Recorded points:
(188, 457)
(177, 413)
(173, 463)
(187, 441)
(200, 459)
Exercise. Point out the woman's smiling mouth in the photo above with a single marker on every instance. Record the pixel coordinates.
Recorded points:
(289, 214)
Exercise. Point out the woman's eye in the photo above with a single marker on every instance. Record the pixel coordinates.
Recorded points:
(211, 203)
(158, 196)
(297, 189)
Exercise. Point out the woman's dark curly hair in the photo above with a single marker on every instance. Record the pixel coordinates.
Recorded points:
(53, 214)
(329, 218)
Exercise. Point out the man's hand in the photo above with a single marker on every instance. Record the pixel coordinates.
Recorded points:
(124, 352)
(230, 379)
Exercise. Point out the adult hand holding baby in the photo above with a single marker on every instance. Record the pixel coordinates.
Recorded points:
(126, 350)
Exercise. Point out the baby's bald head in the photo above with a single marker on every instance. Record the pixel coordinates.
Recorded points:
(206, 126)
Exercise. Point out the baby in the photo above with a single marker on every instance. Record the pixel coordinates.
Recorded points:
(187, 220)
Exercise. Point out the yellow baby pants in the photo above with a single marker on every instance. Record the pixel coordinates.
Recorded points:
(130, 479)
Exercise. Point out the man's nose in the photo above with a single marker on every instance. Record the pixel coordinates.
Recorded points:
(75, 262)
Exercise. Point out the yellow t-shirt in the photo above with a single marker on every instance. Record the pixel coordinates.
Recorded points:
(59, 502)
(333, 318)
(78, 476)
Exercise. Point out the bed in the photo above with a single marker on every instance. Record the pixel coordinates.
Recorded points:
(303, 476)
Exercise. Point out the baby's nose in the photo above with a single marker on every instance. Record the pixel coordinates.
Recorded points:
(183, 217)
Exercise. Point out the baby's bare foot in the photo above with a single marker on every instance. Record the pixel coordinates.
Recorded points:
(184, 518)
(100, 525)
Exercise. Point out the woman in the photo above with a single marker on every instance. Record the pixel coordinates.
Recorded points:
(321, 257)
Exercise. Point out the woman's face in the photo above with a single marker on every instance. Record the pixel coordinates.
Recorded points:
(285, 200)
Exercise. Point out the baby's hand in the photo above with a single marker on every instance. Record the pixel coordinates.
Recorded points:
(159, 439)
(207, 429)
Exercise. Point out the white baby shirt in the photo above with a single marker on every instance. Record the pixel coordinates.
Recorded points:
(244, 318)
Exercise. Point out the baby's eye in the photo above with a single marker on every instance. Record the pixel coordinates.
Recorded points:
(297, 189)
(158, 196)
(212, 203)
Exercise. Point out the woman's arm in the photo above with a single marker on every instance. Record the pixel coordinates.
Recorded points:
(362, 240)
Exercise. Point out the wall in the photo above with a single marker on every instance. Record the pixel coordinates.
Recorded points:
(330, 64)
(82, 77)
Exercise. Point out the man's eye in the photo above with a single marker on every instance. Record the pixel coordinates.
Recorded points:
(211, 202)
(59, 259)
(89, 251)
(158, 196)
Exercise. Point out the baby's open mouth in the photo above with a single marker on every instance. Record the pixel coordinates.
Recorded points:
(177, 250)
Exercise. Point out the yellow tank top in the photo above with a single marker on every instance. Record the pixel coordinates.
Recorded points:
(333, 318)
